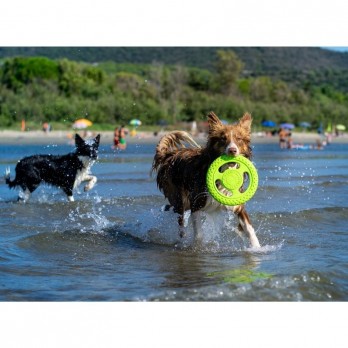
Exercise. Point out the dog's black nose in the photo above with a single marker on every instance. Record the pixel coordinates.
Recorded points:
(232, 150)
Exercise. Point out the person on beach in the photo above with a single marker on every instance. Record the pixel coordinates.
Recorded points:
(120, 138)
(290, 142)
(46, 127)
(282, 138)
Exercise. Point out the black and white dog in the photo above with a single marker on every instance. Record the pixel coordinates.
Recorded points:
(63, 171)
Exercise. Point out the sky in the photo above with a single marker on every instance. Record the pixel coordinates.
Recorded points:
(173, 23)
(337, 49)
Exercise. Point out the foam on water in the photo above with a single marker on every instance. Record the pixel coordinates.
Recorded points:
(265, 249)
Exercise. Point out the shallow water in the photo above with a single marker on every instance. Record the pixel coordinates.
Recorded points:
(115, 243)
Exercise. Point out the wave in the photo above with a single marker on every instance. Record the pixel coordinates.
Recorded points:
(318, 215)
(126, 180)
(304, 181)
(143, 219)
(331, 212)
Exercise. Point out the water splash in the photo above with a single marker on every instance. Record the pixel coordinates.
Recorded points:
(218, 232)
(92, 221)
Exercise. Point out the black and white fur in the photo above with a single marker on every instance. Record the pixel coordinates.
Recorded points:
(63, 171)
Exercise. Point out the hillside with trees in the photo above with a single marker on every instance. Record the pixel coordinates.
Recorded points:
(109, 92)
(259, 60)
(292, 64)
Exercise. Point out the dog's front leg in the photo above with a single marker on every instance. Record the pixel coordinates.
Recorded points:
(245, 225)
(91, 182)
(181, 226)
(197, 227)
(69, 193)
(23, 196)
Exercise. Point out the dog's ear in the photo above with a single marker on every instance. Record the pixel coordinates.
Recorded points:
(97, 139)
(78, 140)
(213, 121)
(245, 122)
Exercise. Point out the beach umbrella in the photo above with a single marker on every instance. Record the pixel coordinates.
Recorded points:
(341, 127)
(135, 122)
(268, 123)
(287, 126)
(304, 124)
(82, 123)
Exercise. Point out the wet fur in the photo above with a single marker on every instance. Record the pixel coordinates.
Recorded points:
(64, 171)
(181, 171)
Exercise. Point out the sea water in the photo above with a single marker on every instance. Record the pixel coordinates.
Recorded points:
(117, 243)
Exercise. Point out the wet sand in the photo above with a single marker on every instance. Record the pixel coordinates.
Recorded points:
(65, 137)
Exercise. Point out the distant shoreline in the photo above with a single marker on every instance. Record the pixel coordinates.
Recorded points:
(65, 137)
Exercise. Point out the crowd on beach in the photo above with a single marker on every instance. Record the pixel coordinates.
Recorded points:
(286, 141)
(121, 136)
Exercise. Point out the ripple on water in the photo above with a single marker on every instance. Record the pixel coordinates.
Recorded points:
(246, 285)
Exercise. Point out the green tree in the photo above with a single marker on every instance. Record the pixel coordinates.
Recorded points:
(19, 71)
(261, 88)
(200, 79)
(228, 68)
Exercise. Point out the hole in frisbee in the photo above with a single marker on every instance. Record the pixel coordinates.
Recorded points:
(226, 166)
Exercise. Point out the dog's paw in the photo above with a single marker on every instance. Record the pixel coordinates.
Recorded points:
(198, 244)
(90, 184)
(88, 187)
(71, 199)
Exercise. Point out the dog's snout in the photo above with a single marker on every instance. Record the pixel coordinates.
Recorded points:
(232, 150)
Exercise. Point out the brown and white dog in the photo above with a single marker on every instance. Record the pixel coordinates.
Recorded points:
(181, 172)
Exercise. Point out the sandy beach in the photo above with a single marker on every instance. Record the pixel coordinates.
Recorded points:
(65, 137)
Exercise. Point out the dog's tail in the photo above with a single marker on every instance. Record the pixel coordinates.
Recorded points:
(7, 177)
(169, 144)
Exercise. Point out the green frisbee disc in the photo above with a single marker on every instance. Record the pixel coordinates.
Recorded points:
(225, 182)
